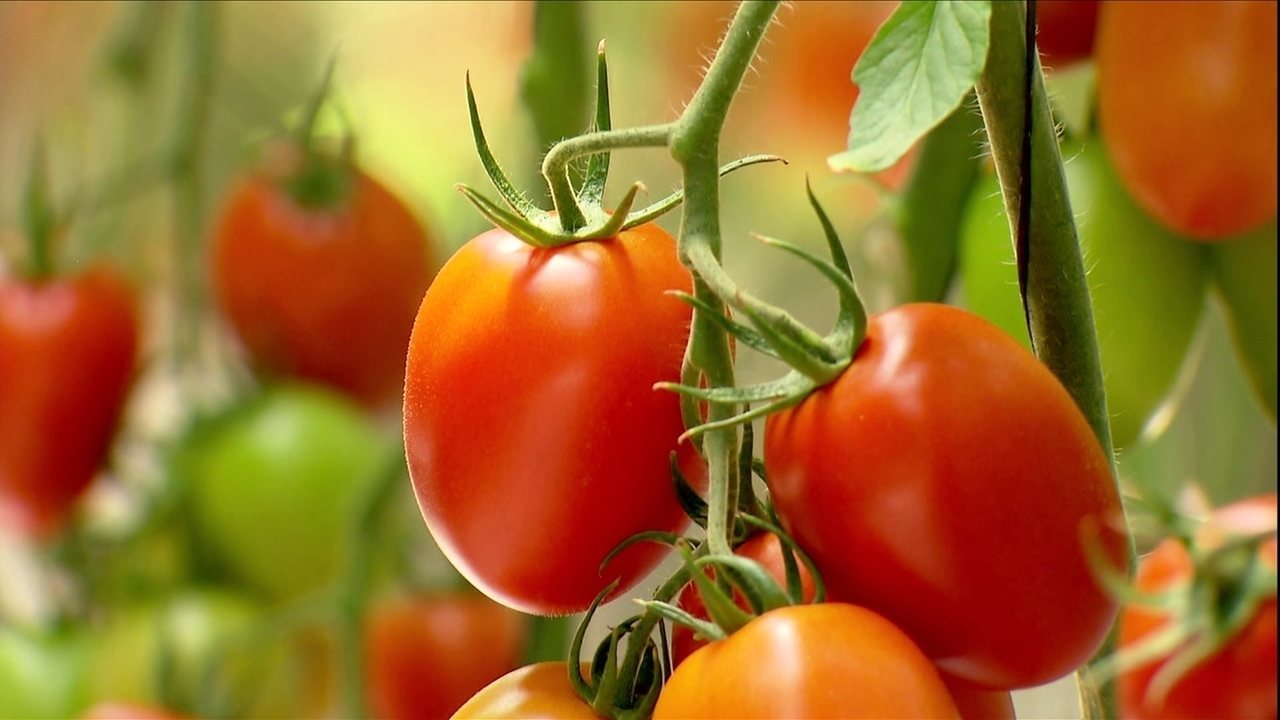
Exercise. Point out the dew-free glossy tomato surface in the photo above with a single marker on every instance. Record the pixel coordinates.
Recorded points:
(540, 691)
(947, 481)
(1065, 30)
(1187, 104)
(68, 348)
(808, 661)
(425, 656)
(535, 439)
(975, 703)
(1239, 681)
(326, 294)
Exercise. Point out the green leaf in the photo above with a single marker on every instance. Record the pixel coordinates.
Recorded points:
(916, 71)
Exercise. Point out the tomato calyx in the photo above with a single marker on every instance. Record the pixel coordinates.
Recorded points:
(318, 179)
(814, 360)
(579, 213)
(628, 691)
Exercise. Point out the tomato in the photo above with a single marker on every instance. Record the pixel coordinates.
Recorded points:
(271, 484)
(425, 656)
(764, 548)
(1239, 681)
(975, 703)
(42, 675)
(193, 633)
(124, 711)
(945, 479)
(1065, 30)
(535, 439)
(1187, 104)
(1147, 285)
(808, 661)
(534, 691)
(323, 293)
(68, 349)
(1245, 272)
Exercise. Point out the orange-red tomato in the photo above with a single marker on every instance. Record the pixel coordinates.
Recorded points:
(975, 703)
(425, 656)
(68, 347)
(1187, 103)
(1239, 681)
(326, 293)
(764, 548)
(535, 439)
(808, 661)
(534, 691)
(1065, 30)
(946, 480)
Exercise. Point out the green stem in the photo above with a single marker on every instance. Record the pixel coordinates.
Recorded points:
(1060, 314)
(933, 201)
(38, 215)
(555, 166)
(695, 143)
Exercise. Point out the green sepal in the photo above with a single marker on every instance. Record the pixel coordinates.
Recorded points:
(751, 579)
(690, 501)
(509, 192)
(597, 175)
(720, 607)
(704, 629)
(661, 207)
(613, 222)
(790, 552)
(585, 689)
(533, 234)
(657, 536)
(746, 335)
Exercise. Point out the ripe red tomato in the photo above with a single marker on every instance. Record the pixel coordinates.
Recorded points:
(535, 439)
(764, 548)
(1187, 103)
(1237, 682)
(68, 347)
(975, 703)
(945, 480)
(808, 661)
(534, 691)
(323, 293)
(427, 655)
(1065, 30)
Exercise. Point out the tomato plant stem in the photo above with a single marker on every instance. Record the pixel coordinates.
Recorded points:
(694, 143)
(555, 166)
(1057, 302)
(38, 216)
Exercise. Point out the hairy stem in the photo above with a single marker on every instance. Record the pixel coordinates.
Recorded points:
(555, 166)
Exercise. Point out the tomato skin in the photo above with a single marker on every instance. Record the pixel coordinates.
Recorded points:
(764, 548)
(965, 476)
(1199, 77)
(294, 459)
(325, 294)
(1147, 286)
(975, 703)
(532, 428)
(808, 661)
(1065, 30)
(68, 350)
(427, 655)
(535, 691)
(1240, 680)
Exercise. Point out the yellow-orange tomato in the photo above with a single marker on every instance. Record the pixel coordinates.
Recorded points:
(1187, 103)
(539, 691)
(808, 661)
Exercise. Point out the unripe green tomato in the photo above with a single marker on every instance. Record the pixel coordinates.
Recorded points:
(272, 485)
(1147, 285)
(196, 647)
(1245, 272)
(42, 675)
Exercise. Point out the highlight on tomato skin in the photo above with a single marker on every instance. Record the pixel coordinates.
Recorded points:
(532, 429)
(926, 441)
(70, 348)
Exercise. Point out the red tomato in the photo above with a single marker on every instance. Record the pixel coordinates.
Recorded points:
(808, 661)
(68, 347)
(1237, 682)
(1187, 103)
(764, 548)
(1065, 30)
(945, 480)
(535, 691)
(325, 293)
(427, 655)
(975, 703)
(535, 439)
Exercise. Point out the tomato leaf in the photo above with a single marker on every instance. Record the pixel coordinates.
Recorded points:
(916, 71)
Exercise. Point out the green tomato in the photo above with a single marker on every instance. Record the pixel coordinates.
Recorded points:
(272, 484)
(1244, 269)
(42, 675)
(1147, 284)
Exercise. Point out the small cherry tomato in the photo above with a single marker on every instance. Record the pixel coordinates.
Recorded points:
(68, 349)
(808, 661)
(535, 439)
(535, 691)
(427, 655)
(948, 481)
